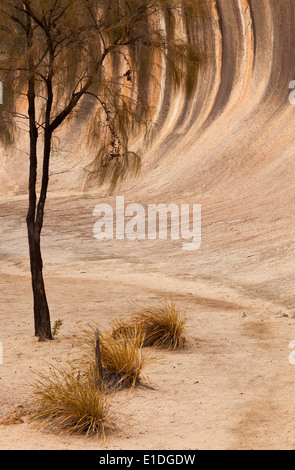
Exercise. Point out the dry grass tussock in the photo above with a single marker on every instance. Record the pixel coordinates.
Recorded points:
(77, 399)
(161, 325)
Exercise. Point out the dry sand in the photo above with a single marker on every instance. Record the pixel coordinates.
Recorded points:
(231, 389)
(230, 149)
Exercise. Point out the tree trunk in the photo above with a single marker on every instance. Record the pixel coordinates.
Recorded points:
(36, 213)
(41, 310)
(34, 225)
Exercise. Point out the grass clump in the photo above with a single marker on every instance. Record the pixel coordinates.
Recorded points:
(70, 402)
(160, 325)
(77, 399)
(123, 358)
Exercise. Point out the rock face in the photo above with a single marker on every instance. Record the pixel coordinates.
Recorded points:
(230, 148)
(235, 132)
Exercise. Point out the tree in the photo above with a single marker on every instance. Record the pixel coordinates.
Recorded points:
(96, 58)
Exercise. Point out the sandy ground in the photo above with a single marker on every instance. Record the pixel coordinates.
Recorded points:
(231, 389)
(230, 149)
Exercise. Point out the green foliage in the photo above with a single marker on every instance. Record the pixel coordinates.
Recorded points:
(56, 327)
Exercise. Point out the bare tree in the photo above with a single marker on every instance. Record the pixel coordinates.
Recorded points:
(56, 55)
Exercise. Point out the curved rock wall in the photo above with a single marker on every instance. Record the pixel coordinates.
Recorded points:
(230, 148)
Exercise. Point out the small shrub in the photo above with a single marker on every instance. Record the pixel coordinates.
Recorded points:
(56, 327)
(122, 357)
(159, 325)
(70, 402)
(123, 360)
